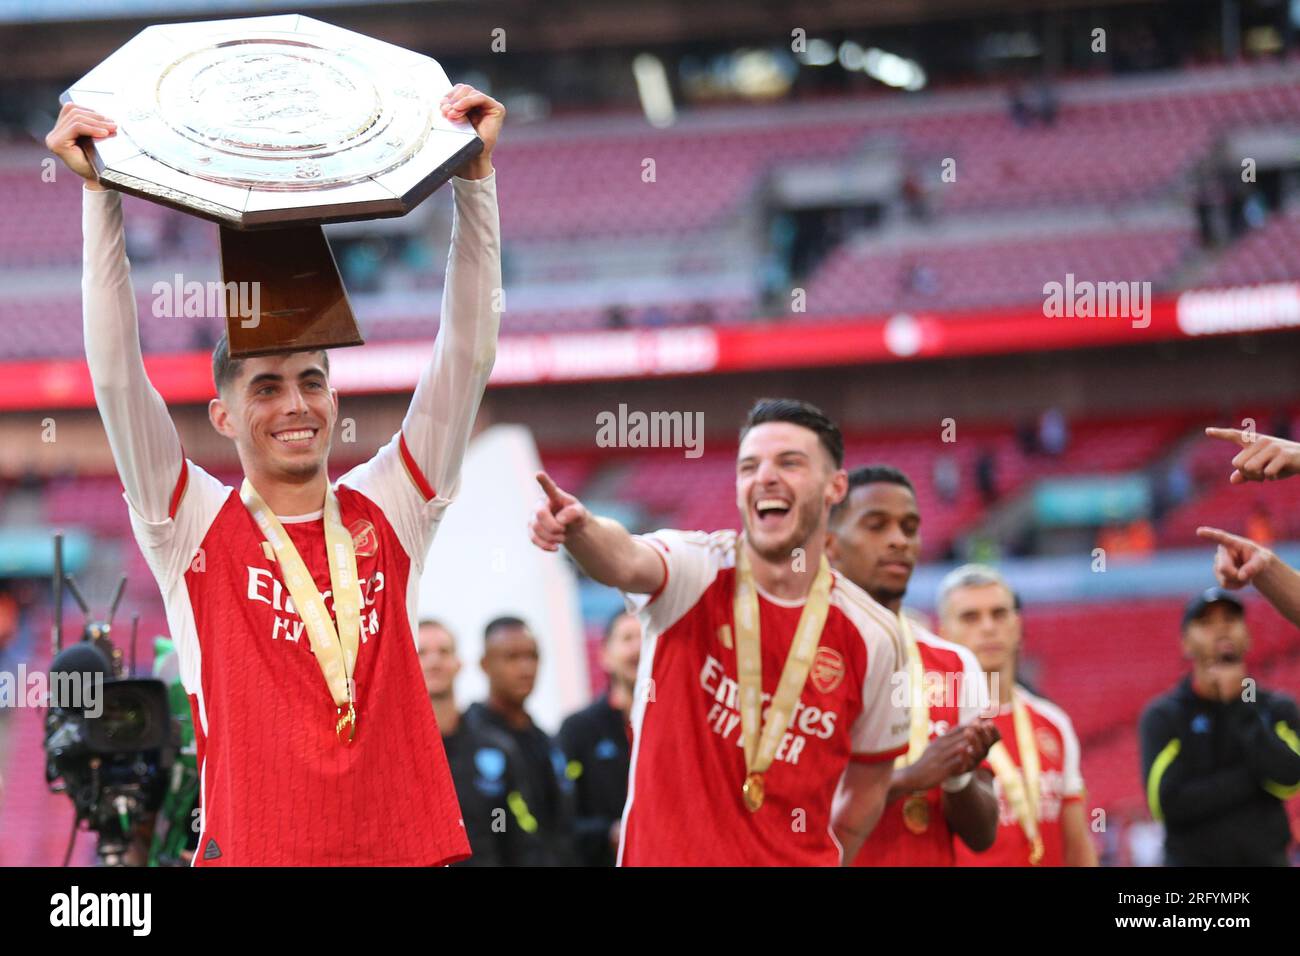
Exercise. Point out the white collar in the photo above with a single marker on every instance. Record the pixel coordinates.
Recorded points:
(301, 519)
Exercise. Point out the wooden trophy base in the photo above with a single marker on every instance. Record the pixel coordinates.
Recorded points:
(293, 278)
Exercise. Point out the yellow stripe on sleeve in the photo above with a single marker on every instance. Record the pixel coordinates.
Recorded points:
(1291, 740)
(1158, 768)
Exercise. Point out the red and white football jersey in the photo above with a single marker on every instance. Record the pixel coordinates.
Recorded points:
(1059, 783)
(684, 802)
(956, 691)
(278, 786)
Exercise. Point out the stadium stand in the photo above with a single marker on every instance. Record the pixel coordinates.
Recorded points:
(668, 226)
(592, 243)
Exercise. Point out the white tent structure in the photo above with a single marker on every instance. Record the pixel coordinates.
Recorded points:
(482, 565)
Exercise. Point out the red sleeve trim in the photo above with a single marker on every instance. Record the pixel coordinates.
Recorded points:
(182, 482)
(662, 584)
(413, 470)
(880, 757)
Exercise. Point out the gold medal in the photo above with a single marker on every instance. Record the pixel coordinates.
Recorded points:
(346, 722)
(335, 647)
(1036, 853)
(916, 813)
(762, 737)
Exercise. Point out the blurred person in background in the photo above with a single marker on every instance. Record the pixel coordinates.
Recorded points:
(986, 475)
(1053, 432)
(946, 478)
(1220, 756)
(1041, 817)
(510, 661)
(1135, 540)
(597, 744)
(938, 789)
(1259, 526)
(486, 766)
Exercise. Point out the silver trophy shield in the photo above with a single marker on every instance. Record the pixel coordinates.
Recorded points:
(275, 123)
(269, 121)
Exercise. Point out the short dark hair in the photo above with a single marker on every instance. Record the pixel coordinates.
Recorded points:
(500, 624)
(226, 369)
(805, 415)
(870, 475)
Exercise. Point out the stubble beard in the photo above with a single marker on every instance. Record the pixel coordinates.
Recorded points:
(302, 471)
(808, 514)
(885, 596)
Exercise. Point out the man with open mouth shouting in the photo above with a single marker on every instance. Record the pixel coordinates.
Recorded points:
(771, 697)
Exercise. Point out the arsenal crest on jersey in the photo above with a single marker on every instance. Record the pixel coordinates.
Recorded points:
(827, 669)
(1047, 744)
(364, 539)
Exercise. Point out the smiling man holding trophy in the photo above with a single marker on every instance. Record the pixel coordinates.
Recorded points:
(291, 599)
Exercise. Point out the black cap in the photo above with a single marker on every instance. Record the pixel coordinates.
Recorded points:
(1197, 605)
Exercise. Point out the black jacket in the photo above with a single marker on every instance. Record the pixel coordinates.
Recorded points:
(596, 745)
(1217, 775)
(487, 770)
(549, 789)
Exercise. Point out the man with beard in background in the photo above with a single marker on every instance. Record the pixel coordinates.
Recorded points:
(1220, 756)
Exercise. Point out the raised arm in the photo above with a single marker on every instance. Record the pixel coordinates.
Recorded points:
(143, 438)
(446, 401)
(601, 546)
(1262, 457)
(1238, 561)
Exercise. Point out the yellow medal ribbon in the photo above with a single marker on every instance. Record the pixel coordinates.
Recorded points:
(335, 650)
(919, 737)
(759, 753)
(916, 809)
(1022, 790)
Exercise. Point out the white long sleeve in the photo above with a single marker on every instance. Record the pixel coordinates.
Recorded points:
(143, 438)
(446, 400)
(416, 475)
